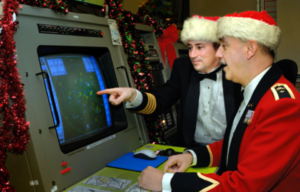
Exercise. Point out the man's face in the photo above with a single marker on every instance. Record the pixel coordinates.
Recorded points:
(230, 53)
(203, 56)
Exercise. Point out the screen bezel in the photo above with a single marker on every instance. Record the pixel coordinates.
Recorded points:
(118, 117)
(74, 2)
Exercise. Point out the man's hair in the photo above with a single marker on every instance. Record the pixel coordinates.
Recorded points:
(267, 51)
(216, 46)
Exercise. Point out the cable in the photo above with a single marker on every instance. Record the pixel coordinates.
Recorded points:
(78, 9)
(95, 12)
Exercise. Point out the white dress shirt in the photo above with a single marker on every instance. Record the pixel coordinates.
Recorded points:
(136, 102)
(211, 118)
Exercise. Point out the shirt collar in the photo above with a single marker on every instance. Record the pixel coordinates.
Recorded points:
(211, 70)
(249, 89)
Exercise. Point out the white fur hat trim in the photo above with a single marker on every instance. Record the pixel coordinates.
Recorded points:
(248, 29)
(198, 28)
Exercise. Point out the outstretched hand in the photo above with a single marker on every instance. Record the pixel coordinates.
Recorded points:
(178, 163)
(118, 95)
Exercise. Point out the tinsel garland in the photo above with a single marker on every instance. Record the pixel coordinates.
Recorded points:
(137, 58)
(14, 131)
(160, 8)
(56, 5)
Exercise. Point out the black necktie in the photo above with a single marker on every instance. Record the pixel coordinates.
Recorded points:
(241, 97)
(239, 101)
(212, 75)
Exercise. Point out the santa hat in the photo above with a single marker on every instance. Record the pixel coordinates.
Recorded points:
(200, 28)
(250, 25)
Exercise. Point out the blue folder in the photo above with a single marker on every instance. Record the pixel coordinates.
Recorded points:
(129, 162)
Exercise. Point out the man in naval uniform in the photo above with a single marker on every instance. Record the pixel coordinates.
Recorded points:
(207, 99)
(261, 147)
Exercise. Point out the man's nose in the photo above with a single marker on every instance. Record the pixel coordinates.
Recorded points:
(192, 53)
(219, 52)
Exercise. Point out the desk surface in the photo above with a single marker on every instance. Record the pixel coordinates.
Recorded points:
(113, 179)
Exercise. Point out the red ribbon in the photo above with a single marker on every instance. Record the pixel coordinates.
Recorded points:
(166, 40)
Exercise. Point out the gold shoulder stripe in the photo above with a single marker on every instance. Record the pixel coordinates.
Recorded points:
(151, 105)
(210, 155)
(280, 91)
(214, 183)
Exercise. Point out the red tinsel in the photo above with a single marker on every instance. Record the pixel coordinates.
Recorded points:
(14, 132)
(56, 5)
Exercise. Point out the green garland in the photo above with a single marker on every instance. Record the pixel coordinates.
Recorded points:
(56, 5)
(137, 58)
(160, 8)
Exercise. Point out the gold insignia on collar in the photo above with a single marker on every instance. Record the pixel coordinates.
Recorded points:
(280, 91)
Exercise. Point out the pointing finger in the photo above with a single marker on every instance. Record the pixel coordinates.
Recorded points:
(107, 91)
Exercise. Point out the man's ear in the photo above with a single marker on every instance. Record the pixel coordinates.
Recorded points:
(251, 47)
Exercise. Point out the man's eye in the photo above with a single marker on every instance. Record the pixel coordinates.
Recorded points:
(200, 47)
(224, 47)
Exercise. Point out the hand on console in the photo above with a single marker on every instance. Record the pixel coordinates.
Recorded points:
(178, 163)
(151, 179)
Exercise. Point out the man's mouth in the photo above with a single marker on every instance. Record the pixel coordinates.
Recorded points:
(195, 61)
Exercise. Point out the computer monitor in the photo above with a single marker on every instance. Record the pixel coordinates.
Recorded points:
(73, 75)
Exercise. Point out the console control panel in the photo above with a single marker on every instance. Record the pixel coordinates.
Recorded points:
(63, 30)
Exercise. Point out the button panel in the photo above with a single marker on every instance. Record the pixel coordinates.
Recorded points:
(65, 170)
(63, 30)
(167, 119)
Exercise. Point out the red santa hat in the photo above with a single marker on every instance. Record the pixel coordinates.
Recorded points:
(250, 25)
(200, 28)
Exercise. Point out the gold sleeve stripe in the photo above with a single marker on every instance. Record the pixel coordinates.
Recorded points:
(151, 105)
(147, 106)
(146, 109)
(210, 155)
(214, 183)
